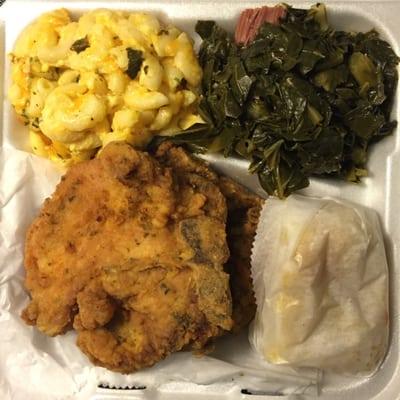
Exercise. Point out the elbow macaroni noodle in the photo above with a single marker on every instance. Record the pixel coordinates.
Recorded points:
(76, 100)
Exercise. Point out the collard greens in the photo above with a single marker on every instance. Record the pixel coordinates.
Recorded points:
(302, 99)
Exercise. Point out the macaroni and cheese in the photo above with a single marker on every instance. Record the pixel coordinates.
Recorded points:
(109, 76)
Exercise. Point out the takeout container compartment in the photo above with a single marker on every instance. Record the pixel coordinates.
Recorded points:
(380, 191)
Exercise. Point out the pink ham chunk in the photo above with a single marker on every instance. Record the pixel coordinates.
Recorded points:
(250, 21)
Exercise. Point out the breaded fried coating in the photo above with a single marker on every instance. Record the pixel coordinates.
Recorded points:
(244, 209)
(130, 252)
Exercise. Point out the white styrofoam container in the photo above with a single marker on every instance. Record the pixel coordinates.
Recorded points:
(380, 191)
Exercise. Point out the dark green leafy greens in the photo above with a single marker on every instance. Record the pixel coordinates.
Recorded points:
(80, 45)
(135, 60)
(300, 100)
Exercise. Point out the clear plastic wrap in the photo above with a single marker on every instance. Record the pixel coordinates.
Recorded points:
(321, 283)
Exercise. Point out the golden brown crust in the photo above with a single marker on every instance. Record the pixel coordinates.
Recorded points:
(244, 209)
(131, 253)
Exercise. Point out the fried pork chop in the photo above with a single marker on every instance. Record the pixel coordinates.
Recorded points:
(244, 209)
(130, 251)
